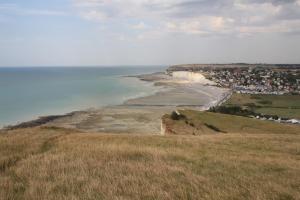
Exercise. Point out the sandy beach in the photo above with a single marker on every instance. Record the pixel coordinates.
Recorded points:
(141, 115)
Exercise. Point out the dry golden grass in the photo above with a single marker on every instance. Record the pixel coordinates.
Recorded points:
(45, 163)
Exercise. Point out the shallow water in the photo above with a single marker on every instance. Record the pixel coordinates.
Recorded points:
(29, 92)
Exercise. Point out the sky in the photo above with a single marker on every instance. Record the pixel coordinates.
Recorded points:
(148, 32)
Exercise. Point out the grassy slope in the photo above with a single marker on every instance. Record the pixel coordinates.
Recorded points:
(196, 123)
(283, 105)
(45, 163)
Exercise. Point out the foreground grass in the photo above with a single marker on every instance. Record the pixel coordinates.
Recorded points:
(281, 105)
(45, 163)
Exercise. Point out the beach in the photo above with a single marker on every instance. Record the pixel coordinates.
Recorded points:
(140, 115)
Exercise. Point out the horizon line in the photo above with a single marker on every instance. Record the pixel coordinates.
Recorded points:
(145, 65)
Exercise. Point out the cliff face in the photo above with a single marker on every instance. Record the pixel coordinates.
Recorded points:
(191, 77)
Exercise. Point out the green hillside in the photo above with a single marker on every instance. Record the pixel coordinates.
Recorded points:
(198, 123)
(281, 105)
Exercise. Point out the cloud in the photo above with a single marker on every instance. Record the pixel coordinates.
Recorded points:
(44, 12)
(274, 2)
(14, 9)
(202, 17)
(140, 26)
(94, 15)
(205, 25)
(88, 3)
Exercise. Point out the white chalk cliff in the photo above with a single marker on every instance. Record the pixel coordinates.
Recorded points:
(193, 77)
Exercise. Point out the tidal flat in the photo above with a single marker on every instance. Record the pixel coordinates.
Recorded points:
(142, 114)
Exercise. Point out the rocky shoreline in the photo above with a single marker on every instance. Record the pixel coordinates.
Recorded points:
(40, 121)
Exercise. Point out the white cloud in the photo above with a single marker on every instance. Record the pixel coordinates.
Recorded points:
(201, 25)
(283, 27)
(205, 17)
(45, 12)
(88, 3)
(217, 23)
(140, 26)
(94, 15)
(14, 9)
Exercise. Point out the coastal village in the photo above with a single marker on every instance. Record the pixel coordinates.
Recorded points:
(253, 79)
(250, 79)
(258, 80)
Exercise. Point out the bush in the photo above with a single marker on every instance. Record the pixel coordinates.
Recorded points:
(192, 124)
(175, 116)
(232, 110)
(212, 127)
(235, 110)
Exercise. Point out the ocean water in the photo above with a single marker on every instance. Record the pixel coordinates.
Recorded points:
(29, 92)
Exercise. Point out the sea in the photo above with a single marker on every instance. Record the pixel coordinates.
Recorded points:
(27, 93)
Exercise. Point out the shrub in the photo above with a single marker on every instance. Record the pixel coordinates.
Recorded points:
(176, 116)
(212, 127)
(192, 124)
(232, 110)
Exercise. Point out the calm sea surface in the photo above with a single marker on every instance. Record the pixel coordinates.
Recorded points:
(29, 92)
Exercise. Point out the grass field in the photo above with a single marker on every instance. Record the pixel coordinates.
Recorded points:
(199, 123)
(50, 163)
(281, 105)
